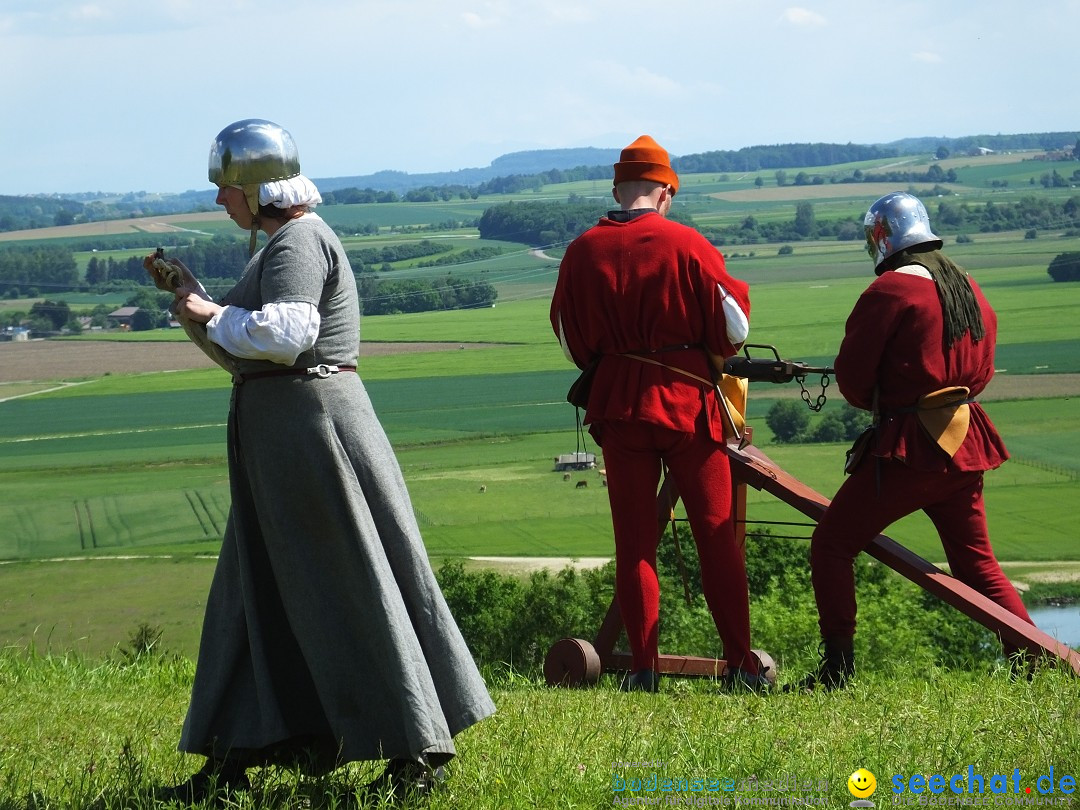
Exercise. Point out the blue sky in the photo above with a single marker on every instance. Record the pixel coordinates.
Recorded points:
(126, 95)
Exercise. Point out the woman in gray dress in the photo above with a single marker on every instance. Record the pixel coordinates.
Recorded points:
(326, 638)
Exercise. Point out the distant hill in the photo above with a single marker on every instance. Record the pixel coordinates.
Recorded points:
(750, 158)
(529, 162)
(1050, 141)
(37, 211)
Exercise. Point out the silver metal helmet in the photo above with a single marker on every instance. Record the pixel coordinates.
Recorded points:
(249, 153)
(895, 222)
(253, 151)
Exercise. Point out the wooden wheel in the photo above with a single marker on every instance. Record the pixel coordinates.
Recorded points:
(766, 665)
(572, 662)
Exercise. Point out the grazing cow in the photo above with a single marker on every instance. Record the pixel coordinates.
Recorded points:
(483, 487)
(581, 485)
(566, 476)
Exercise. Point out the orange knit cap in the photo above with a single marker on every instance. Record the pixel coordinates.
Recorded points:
(645, 159)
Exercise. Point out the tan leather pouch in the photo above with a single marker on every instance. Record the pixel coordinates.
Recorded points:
(945, 416)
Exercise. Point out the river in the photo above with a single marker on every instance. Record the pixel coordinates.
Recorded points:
(1062, 622)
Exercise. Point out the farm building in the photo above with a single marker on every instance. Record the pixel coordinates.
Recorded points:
(575, 461)
(123, 316)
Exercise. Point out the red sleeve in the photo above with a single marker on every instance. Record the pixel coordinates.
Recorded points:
(563, 324)
(866, 336)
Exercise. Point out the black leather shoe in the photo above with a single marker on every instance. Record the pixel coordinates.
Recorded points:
(406, 777)
(644, 680)
(210, 782)
(736, 680)
(834, 670)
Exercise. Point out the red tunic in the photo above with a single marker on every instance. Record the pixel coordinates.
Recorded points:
(893, 340)
(648, 284)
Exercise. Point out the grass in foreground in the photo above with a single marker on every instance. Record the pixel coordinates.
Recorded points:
(76, 733)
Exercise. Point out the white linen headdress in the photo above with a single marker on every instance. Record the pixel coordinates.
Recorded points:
(298, 190)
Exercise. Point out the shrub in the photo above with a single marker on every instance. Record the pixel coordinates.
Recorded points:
(830, 428)
(144, 642)
(788, 420)
(1065, 267)
(505, 619)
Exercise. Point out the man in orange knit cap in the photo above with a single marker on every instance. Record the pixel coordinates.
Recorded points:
(650, 300)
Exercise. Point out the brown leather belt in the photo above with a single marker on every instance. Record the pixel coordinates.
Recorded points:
(322, 371)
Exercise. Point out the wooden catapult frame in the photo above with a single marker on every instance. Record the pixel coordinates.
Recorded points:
(576, 662)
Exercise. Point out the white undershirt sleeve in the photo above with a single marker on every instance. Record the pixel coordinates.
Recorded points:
(738, 325)
(278, 332)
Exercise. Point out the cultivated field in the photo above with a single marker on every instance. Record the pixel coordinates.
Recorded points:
(39, 361)
(130, 463)
(171, 223)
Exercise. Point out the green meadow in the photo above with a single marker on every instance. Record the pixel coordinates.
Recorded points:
(103, 736)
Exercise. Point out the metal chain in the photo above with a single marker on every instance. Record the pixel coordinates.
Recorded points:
(820, 402)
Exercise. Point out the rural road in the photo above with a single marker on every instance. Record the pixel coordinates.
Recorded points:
(48, 360)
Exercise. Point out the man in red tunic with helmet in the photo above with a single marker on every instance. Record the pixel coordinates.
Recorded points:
(651, 301)
(918, 348)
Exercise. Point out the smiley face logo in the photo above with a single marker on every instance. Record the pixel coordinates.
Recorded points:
(862, 784)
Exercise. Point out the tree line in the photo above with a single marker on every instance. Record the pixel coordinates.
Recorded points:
(218, 263)
(42, 211)
(383, 297)
(366, 258)
(221, 258)
(537, 223)
(933, 174)
(39, 266)
(1025, 213)
(780, 156)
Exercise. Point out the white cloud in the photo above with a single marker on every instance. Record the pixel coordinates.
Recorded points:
(646, 80)
(490, 13)
(474, 20)
(87, 12)
(635, 81)
(929, 57)
(802, 17)
(570, 13)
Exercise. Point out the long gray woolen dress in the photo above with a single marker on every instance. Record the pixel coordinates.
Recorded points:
(324, 626)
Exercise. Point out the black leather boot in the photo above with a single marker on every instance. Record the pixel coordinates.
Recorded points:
(415, 778)
(643, 680)
(835, 668)
(218, 778)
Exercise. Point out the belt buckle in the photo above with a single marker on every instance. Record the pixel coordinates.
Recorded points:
(322, 370)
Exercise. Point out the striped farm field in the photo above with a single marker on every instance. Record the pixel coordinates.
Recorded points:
(155, 226)
(113, 445)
